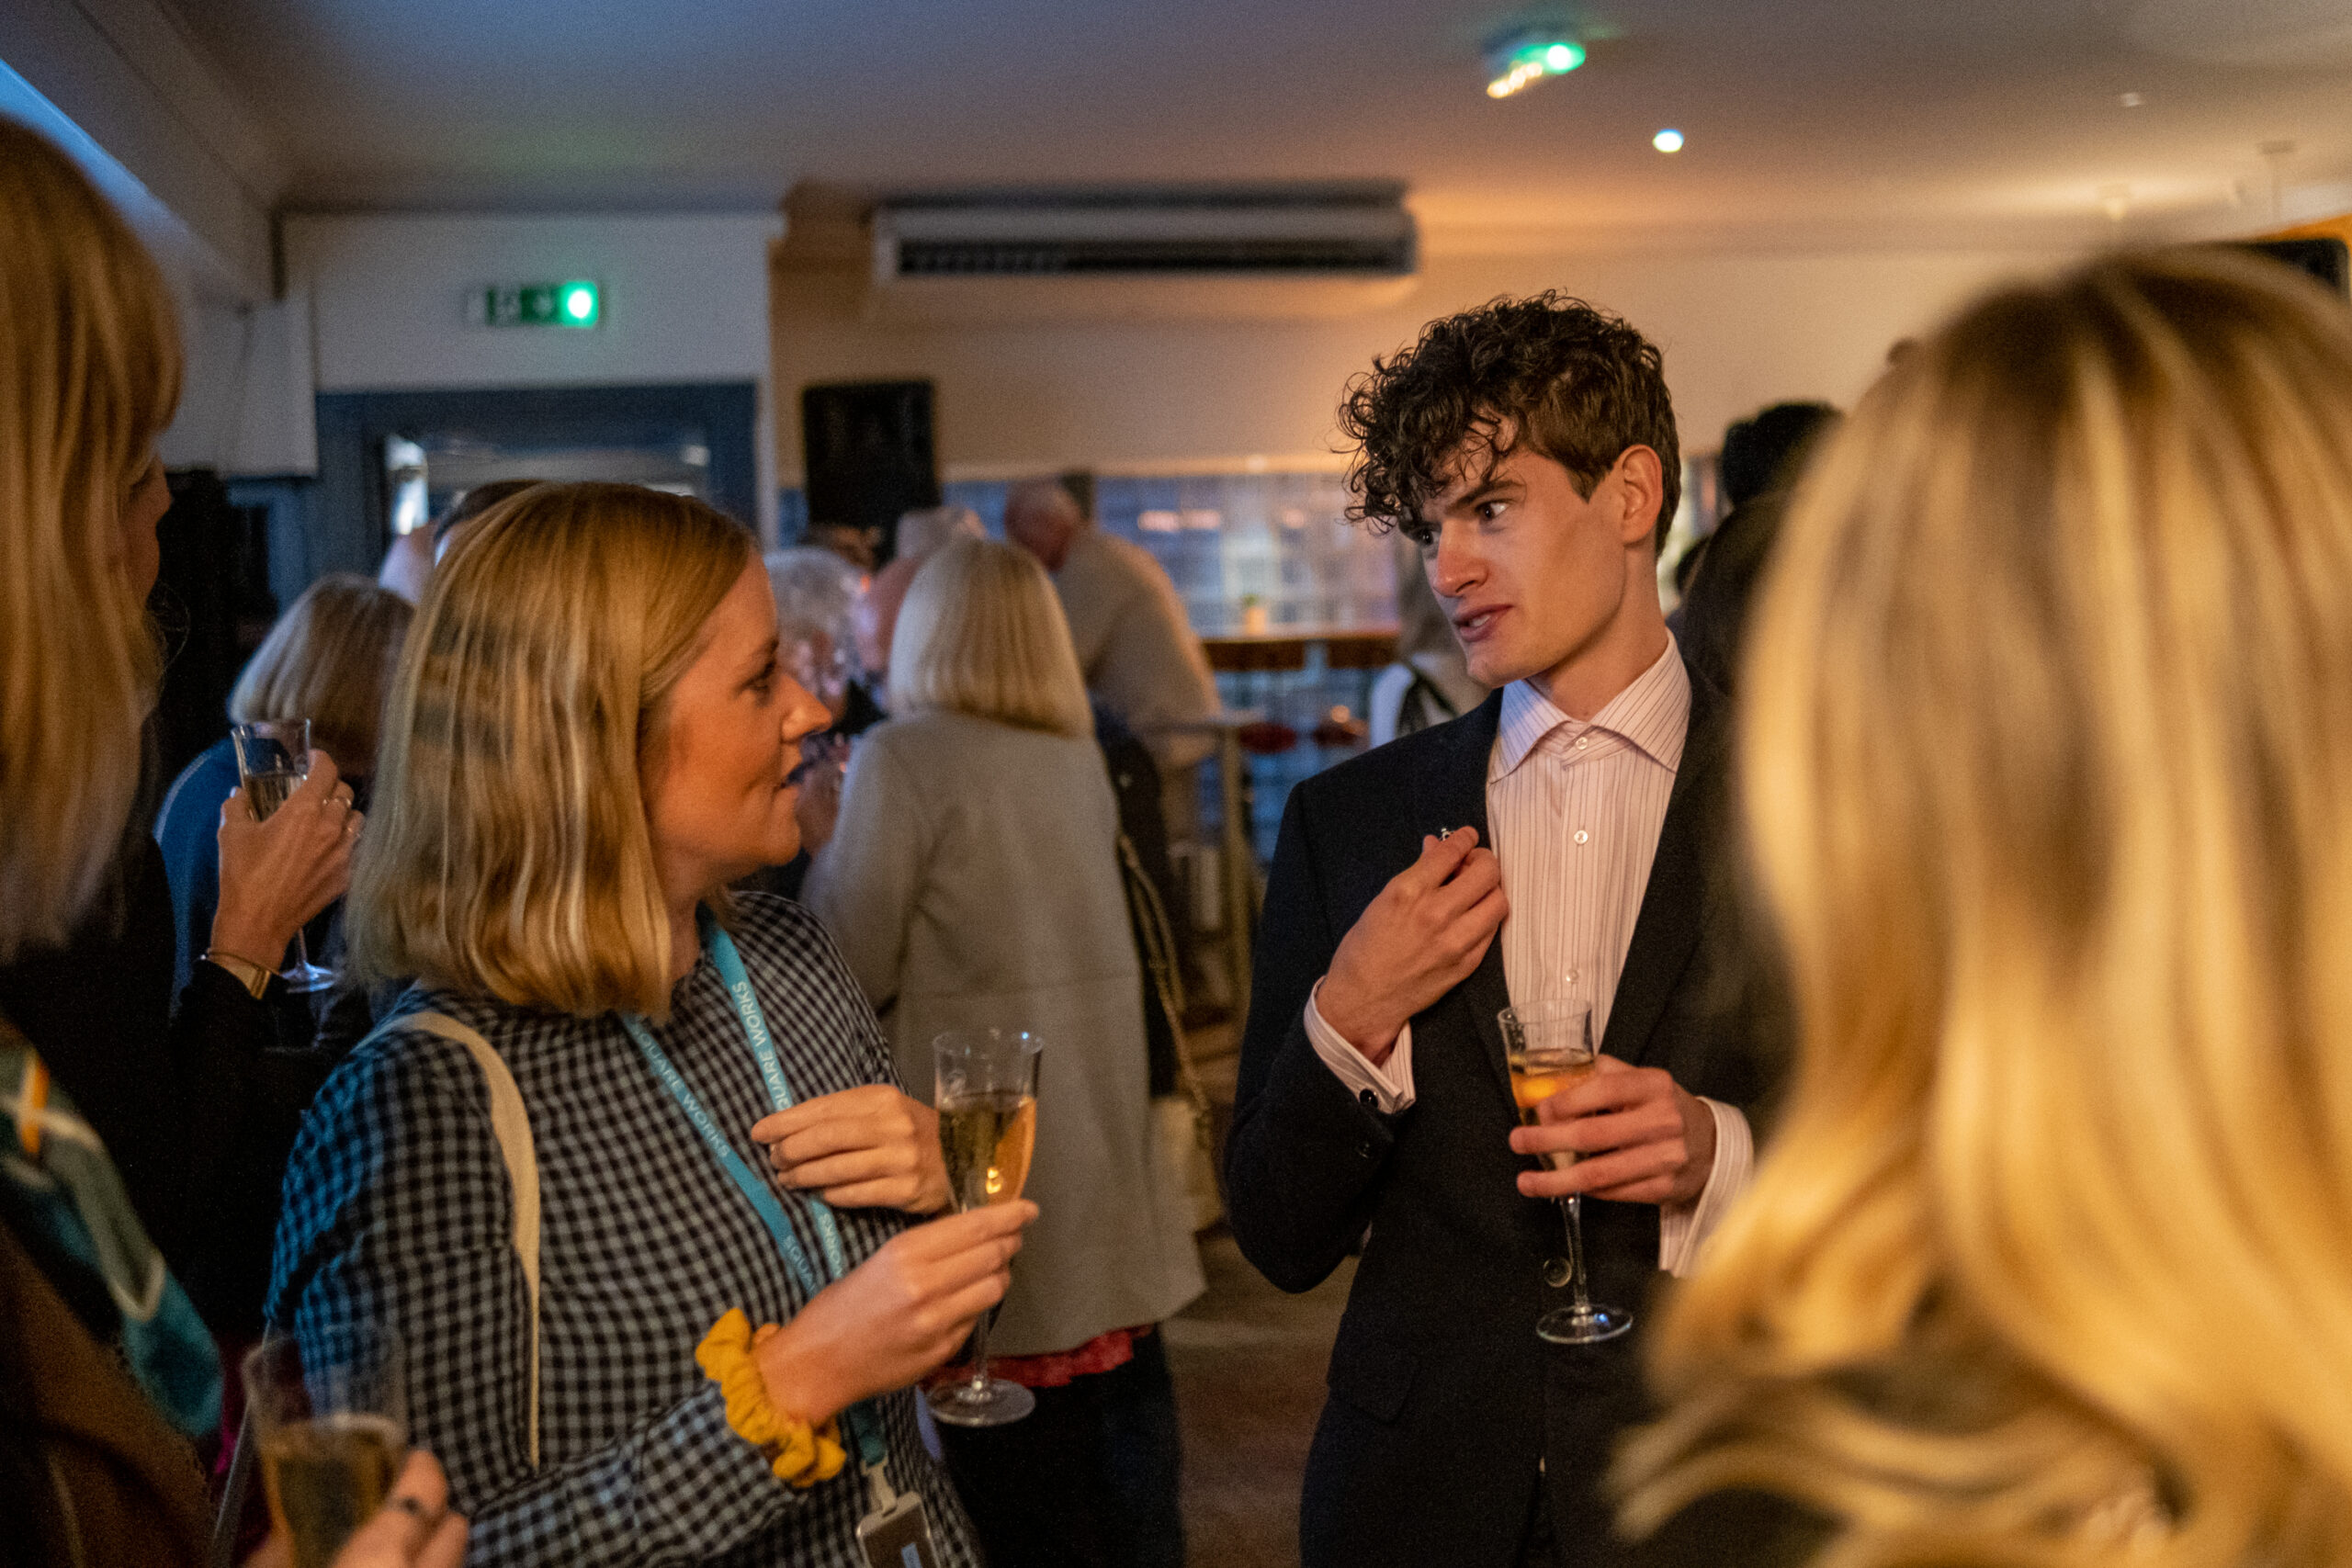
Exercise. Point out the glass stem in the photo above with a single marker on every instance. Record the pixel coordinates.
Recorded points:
(1572, 1220)
(980, 1353)
(301, 951)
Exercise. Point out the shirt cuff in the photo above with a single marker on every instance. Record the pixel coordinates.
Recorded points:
(1390, 1085)
(1683, 1228)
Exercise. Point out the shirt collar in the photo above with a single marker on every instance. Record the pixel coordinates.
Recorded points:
(1653, 715)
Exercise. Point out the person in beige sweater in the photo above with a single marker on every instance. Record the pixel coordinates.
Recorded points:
(973, 882)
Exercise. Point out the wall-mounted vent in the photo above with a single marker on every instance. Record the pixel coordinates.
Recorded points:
(1317, 234)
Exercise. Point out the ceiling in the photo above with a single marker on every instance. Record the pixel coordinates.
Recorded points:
(1859, 121)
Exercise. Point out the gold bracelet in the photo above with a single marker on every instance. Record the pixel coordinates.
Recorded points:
(254, 976)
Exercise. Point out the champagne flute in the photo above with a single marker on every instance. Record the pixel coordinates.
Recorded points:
(988, 1129)
(272, 759)
(1549, 1046)
(330, 1427)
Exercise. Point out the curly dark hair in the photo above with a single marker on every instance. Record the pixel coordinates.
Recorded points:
(1552, 373)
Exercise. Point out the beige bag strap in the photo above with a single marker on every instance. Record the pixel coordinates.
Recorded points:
(512, 1125)
(1166, 975)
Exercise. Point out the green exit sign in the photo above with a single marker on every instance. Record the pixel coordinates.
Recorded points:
(576, 303)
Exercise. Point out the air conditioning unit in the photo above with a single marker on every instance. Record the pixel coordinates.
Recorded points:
(1317, 251)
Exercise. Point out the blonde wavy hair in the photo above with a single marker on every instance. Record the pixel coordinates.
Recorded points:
(982, 632)
(330, 660)
(89, 375)
(507, 854)
(2047, 754)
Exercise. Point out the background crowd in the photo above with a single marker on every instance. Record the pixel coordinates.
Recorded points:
(2036, 805)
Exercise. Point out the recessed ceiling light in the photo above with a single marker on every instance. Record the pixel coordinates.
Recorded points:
(1667, 141)
(2131, 100)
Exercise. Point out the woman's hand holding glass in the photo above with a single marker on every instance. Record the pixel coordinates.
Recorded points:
(276, 872)
(872, 1147)
(416, 1529)
(894, 1316)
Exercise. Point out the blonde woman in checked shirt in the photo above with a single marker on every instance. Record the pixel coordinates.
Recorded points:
(1528, 447)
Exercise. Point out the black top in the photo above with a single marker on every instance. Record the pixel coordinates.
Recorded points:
(1447, 1412)
(198, 1110)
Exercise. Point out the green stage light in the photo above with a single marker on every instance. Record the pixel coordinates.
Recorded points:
(1521, 58)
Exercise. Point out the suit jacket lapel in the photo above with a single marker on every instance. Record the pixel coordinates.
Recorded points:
(1666, 933)
(1453, 794)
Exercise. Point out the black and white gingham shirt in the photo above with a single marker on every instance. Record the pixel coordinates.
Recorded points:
(398, 1211)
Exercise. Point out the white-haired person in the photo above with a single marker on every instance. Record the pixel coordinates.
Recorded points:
(973, 882)
(679, 1358)
(2047, 743)
(1137, 652)
(817, 599)
(108, 1382)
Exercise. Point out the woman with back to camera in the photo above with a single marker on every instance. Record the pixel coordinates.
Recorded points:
(329, 659)
(589, 739)
(2048, 750)
(973, 882)
(107, 1378)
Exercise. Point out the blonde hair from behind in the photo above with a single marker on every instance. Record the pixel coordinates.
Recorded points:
(507, 854)
(982, 632)
(89, 375)
(2047, 754)
(330, 660)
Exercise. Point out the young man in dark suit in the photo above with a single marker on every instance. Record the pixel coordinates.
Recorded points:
(1528, 447)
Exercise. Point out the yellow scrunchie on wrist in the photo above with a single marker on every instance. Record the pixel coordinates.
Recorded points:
(799, 1453)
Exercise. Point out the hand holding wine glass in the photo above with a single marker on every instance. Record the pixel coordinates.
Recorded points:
(1548, 1047)
(894, 1316)
(1638, 1137)
(415, 1528)
(286, 834)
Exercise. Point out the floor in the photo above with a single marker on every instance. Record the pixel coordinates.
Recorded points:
(1248, 1362)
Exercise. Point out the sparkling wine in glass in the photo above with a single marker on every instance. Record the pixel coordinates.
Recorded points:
(272, 759)
(988, 1130)
(331, 1427)
(1549, 1046)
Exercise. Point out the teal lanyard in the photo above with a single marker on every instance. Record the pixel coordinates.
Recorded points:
(864, 1427)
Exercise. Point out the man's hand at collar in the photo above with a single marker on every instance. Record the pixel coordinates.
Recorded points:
(1421, 937)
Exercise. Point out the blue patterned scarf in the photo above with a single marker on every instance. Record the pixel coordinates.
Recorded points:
(62, 1193)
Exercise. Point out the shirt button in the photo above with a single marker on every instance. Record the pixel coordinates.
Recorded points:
(1582, 835)
(1583, 742)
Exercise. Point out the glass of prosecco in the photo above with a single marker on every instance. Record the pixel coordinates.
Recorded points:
(330, 1424)
(988, 1129)
(272, 759)
(1548, 1047)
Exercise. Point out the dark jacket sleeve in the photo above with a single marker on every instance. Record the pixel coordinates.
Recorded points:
(241, 1106)
(1304, 1155)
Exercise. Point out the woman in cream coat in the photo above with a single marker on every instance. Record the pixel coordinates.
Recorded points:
(973, 881)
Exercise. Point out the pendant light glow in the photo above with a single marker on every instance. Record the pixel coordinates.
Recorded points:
(1667, 141)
